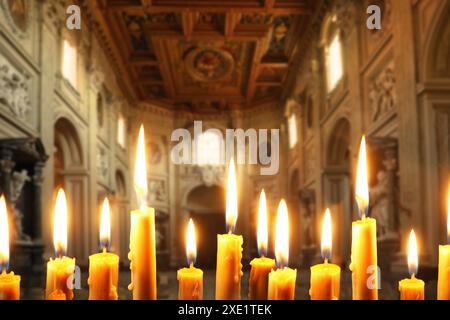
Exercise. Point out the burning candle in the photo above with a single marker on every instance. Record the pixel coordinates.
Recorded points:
(61, 269)
(9, 282)
(282, 281)
(412, 289)
(190, 280)
(262, 266)
(363, 264)
(229, 247)
(326, 277)
(142, 235)
(444, 263)
(104, 266)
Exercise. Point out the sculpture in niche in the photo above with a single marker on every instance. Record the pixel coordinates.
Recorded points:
(14, 92)
(384, 195)
(17, 183)
(382, 94)
(157, 190)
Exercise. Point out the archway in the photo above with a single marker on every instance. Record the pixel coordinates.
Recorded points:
(206, 206)
(70, 174)
(121, 218)
(337, 191)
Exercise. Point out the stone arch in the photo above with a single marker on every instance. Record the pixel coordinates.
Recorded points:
(121, 185)
(70, 172)
(437, 45)
(338, 152)
(337, 188)
(206, 206)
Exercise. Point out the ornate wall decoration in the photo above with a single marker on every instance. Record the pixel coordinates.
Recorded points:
(162, 18)
(157, 191)
(14, 92)
(209, 64)
(281, 26)
(154, 153)
(17, 15)
(382, 92)
(212, 175)
(102, 163)
(256, 18)
(135, 26)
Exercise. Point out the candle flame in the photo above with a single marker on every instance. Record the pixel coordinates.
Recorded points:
(191, 243)
(448, 218)
(413, 260)
(4, 235)
(262, 225)
(60, 224)
(326, 236)
(282, 235)
(362, 184)
(140, 171)
(232, 205)
(105, 225)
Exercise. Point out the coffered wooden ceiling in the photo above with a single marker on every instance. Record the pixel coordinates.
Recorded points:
(203, 55)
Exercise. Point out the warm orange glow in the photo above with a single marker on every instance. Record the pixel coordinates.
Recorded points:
(282, 235)
(448, 217)
(232, 205)
(262, 224)
(191, 243)
(326, 236)
(4, 234)
(362, 184)
(413, 260)
(105, 225)
(60, 224)
(140, 171)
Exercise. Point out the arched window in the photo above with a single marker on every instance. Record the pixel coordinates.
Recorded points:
(208, 148)
(100, 111)
(292, 127)
(121, 130)
(69, 63)
(333, 53)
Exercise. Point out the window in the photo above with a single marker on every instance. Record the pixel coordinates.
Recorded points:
(69, 63)
(334, 63)
(292, 124)
(208, 149)
(121, 131)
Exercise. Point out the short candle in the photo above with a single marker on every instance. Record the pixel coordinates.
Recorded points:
(412, 289)
(262, 266)
(9, 282)
(190, 280)
(326, 277)
(282, 281)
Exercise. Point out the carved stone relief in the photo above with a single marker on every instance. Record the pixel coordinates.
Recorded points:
(382, 93)
(157, 191)
(14, 91)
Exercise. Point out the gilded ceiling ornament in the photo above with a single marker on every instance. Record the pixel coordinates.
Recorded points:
(209, 64)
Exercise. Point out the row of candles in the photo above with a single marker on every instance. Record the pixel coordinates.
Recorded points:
(269, 278)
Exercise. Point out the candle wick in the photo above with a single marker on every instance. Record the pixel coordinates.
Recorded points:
(191, 265)
(326, 260)
(104, 249)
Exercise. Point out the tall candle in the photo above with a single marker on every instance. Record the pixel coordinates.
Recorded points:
(104, 267)
(229, 248)
(282, 281)
(262, 266)
(326, 277)
(190, 280)
(444, 263)
(363, 264)
(9, 282)
(59, 284)
(142, 235)
(413, 288)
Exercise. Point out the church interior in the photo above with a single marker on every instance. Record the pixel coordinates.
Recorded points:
(72, 102)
